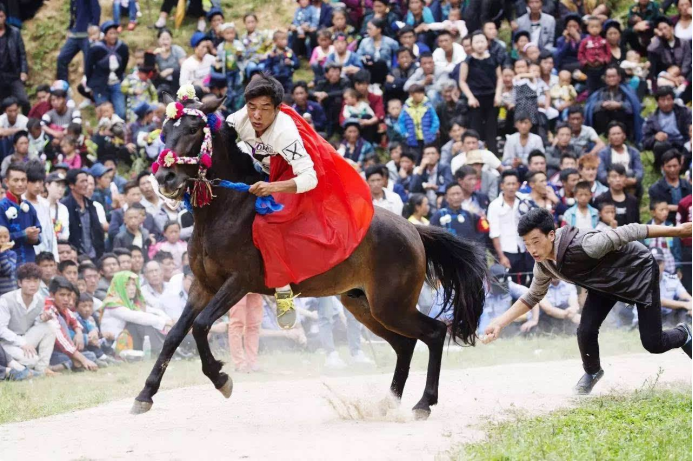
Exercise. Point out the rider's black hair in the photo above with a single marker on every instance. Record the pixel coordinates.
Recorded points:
(265, 85)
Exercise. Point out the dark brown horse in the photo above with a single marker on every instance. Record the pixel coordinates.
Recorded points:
(379, 283)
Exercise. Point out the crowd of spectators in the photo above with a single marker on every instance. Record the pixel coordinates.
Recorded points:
(450, 126)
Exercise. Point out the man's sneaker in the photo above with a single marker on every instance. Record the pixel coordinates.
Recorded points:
(587, 382)
(286, 313)
(361, 358)
(17, 375)
(686, 347)
(334, 361)
(101, 363)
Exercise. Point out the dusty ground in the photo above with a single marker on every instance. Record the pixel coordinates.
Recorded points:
(333, 418)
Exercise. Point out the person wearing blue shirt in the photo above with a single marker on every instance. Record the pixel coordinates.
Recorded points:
(20, 216)
(303, 27)
(431, 177)
(458, 221)
(560, 308)
(303, 105)
(83, 13)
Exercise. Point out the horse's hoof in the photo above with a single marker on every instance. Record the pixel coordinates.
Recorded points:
(227, 388)
(140, 407)
(421, 414)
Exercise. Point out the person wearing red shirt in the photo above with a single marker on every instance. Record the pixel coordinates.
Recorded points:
(683, 215)
(594, 54)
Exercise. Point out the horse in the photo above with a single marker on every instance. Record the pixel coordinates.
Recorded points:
(379, 283)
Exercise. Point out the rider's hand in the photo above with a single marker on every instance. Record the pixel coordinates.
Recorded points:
(261, 189)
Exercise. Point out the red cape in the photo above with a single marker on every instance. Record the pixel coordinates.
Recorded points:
(320, 228)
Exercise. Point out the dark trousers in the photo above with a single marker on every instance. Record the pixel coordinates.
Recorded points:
(15, 87)
(654, 340)
(594, 78)
(521, 267)
(660, 147)
(686, 267)
(194, 8)
(602, 119)
(484, 120)
(68, 52)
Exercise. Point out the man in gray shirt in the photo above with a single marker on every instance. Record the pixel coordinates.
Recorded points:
(612, 266)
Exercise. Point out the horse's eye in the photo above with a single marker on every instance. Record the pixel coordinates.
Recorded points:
(193, 130)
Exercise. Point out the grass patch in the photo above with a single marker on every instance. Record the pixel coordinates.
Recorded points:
(648, 424)
(21, 401)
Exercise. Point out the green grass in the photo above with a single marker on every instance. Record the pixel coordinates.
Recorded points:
(647, 425)
(21, 401)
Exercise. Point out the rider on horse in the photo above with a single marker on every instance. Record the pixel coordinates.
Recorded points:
(289, 151)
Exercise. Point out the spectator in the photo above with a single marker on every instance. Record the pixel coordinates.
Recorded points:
(668, 127)
(671, 188)
(614, 102)
(480, 80)
(519, 145)
(124, 258)
(357, 109)
(418, 209)
(584, 139)
(68, 269)
(19, 216)
(124, 309)
(136, 259)
(448, 54)
(381, 197)
(451, 110)
(85, 232)
(488, 179)
(49, 269)
(93, 340)
(108, 265)
(582, 215)
(671, 247)
(540, 26)
(676, 301)
(132, 13)
(169, 59)
(321, 52)
(132, 195)
(303, 27)
(155, 287)
(568, 44)
(418, 121)
(14, 69)
(684, 215)
(150, 199)
(563, 93)
(353, 147)
(642, 21)
(431, 177)
(196, 69)
(25, 333)
(257, 44)
(503, 216)
(69, 352)
(470, 142)
(90, 274)
(133, 233)
(348, 61)
(497, 47)
(458, 221)
(66, 251)
(245, 319)
(139, 89)
(383, 11)
(394, 110)
(215, 17)
(20, 154)
(668, 50)
(172, 244)
(500, 295)
(594, 54)
(377, 51)
(328, 92)
(560, 309)
(11, 122)
(36, 177)
(473, 201)
(56, 120)
(168, 264)
(106, 68)
(428, 76)
(568, 161)
(8, 263)
(560, 149)
(541, 195)
(618, 152)
(408, 39)
(100, 212)
(281, 61)
(303, 105)
(607, 216)
(83, 14)
(627, 210)
(569, 178)
(588, 166)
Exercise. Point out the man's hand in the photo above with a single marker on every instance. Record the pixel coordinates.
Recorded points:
(6, 246)
(504, 261)
(29, 350)
(491, 333)
(517, 161)
(473, 102)
(23, 77)
(661, 136)
(46, 316)
(78, 339)
(32, 233)
(390, 79)
(88, 364)
(108, 336)
(684, 230)
(261, 189)
(528, 325)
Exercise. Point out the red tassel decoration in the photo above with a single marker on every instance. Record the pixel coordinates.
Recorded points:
(201, 194)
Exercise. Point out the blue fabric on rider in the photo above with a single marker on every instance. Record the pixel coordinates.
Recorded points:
(263, 205)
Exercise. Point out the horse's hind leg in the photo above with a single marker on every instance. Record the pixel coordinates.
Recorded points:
(403, 346)
(228, 295)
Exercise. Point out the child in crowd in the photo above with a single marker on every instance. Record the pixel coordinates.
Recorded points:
(418, 121)
(355, 108)
(8, 263)
(607, 216)
(636, 71)
(563, 94)
(173, 244)
(582, 215)
(138, 86)
(230, 60)
(507, 104)
(672, 77)
(394, 109)
(134, 233)
(321, 52)
(39, 143)
(131, 6)
(525, 91)
(671, 247)
(340, 25)
(304, 24)
(453, 24)
(594, 54)
(94, 341)
(69, 153)
(282, 61)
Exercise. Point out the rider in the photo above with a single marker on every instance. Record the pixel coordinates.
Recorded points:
(328, 221)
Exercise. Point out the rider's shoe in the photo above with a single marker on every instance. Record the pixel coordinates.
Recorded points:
(587, 382)
(286, 313)
(686, 347)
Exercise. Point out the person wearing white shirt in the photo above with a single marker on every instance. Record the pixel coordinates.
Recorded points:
(196, 68)
(448, 54)
(11, 121)
(381, 197)
(60, 217)
(503, 218)
(35, 181)
(470, 142)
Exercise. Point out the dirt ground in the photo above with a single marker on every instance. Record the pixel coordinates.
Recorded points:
(327, 418)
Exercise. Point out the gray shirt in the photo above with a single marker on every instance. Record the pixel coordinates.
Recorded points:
(596, 245)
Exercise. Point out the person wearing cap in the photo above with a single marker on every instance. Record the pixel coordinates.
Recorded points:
(60, 218)
(612, 265)
(106, 68)
(197, 67)
(144, 122)
(488, 184)
(215, 17)
(103, 191)
(676, 301)
(138, 86)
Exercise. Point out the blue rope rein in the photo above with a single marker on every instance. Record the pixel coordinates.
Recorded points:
(263, 205)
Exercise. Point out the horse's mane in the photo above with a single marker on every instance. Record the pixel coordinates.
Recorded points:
(234, 163)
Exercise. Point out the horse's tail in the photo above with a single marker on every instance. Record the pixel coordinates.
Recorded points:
(459, 265)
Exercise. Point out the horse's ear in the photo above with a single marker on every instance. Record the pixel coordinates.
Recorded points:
(211, 105)
(167, 98)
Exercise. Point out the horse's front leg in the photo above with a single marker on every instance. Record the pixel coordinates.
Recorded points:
(143, 402)
(228, 295)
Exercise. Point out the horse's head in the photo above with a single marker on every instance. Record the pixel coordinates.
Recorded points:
(184, 137)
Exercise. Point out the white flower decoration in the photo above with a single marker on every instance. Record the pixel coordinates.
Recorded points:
(460, 218)
(186, 92)
(25, 207)
(11, 213)
(445, 220)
